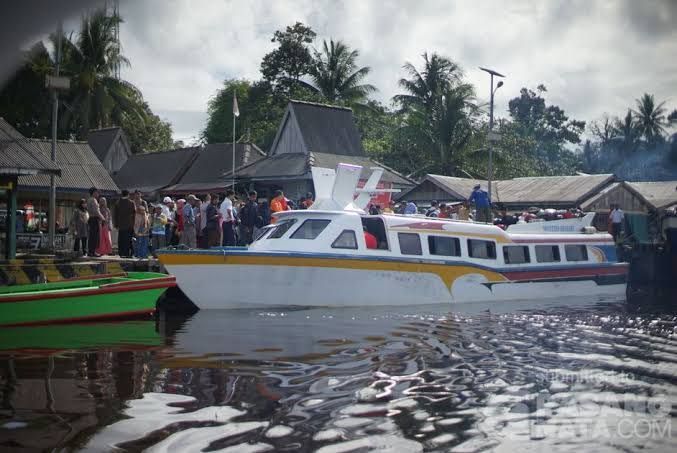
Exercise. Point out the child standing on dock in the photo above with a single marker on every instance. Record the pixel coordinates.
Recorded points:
(141, 230)
(157, 229)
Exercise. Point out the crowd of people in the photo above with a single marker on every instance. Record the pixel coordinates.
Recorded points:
(193, 222)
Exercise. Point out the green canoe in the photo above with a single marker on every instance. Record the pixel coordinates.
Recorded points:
(129, 295)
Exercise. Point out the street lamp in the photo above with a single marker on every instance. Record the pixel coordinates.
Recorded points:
(490, 169)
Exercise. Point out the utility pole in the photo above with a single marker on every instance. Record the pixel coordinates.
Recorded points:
(55, 118)
(491, 136)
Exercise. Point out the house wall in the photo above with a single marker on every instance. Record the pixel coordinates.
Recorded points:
(620, 196)
(117, 156)
(291, 140)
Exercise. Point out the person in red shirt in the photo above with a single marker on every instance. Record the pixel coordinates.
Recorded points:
(370, 240)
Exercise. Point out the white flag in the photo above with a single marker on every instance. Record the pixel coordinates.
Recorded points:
(236, 110)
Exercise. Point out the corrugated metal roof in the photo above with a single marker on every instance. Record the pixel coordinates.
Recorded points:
(100, 140)
(213, 161)
(18, 155)
(328, 129)
(327, 160)
(659, 194)
(551, 190)
(154, 171)
(80, 168)
(539, 191)
(297, 165)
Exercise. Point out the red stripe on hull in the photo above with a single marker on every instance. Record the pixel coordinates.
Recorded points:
(122, 287)
(565, 273)
(564, 240)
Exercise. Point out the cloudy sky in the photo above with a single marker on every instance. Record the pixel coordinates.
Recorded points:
(595, 57)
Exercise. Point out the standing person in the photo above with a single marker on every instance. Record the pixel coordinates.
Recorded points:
(463, 213)
(141, 230)
(139, 201)
(264, 214)
(390, 209)
(189, 234)
(169, 214)
(308, 201)
(278, 203)
(206, 202)
(212, 228)
(616, 218)
(157, 229)
(482, 203)
(197, 209)
(78, 226)
(123, 220)
(444, 211)
(410, 208)
(94, 222)
(178, 216)
(433, 211)
(105, 244)
(248, 217)
(228, 219)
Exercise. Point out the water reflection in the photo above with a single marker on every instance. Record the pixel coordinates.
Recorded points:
(592, 377)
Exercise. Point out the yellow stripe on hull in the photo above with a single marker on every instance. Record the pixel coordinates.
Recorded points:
(446, 272)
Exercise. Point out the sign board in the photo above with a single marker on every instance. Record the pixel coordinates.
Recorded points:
(381, 199)
(58, 83)
(493, 137)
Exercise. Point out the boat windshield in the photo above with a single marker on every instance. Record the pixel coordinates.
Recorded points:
(263, 232)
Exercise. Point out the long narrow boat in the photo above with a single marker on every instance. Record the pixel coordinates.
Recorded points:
(131, 294)
(319, 257)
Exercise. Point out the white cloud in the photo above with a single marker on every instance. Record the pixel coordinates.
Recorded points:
(594, 57)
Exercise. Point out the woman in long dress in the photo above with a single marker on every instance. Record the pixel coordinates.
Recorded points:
(105, 244)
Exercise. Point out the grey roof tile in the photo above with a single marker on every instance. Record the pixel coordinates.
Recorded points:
(18, 154)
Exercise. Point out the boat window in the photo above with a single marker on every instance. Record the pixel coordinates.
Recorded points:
(310, 229)
(576, 252)
(281, 228)
(547, 253)
(410, 244)
(345, 240)
(375, 226)
(481, 249)
(263, 231)
(516, 254)
(445, 246)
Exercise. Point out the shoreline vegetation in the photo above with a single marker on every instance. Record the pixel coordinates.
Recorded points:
(436, 124)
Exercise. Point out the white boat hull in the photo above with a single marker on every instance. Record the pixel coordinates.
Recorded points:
(216, 286)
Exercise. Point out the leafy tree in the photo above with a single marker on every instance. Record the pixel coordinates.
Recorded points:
(438, 111)
(672, 117)
(148, 136)
(260, 113)
(650, 118)
(25, 102)
(336, 76)
(97, 98)
(628, 131)
(549, 131)
(284, 66)
(604, 130)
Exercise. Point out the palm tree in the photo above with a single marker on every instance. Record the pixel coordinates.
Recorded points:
(97, 97)
(337, 77)
(650, 118)
(439, 110)
(628, 130)
(425, 88)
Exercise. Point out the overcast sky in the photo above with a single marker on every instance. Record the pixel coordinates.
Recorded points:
(595, 57)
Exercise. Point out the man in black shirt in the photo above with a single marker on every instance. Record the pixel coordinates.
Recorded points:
(248, 217)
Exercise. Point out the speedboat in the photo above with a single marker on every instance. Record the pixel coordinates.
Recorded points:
(320, 257)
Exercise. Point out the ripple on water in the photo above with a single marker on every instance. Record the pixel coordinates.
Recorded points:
(371, 379)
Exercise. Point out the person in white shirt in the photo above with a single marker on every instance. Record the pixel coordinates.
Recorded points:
(203, 220)
(228, 219)
(616, 218)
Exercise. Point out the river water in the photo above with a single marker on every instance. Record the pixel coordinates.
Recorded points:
(588, 377)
